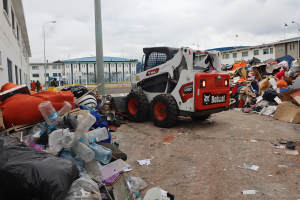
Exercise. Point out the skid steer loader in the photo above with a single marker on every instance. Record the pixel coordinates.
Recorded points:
(174, 84)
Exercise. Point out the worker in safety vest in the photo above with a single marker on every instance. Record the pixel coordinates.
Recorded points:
(33, 86)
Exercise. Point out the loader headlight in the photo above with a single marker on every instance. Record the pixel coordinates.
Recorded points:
(202, 83)
(226, 82)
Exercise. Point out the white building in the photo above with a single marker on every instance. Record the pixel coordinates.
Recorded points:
(83, 70)
(53, 70)
(262, 52)
(14, 43)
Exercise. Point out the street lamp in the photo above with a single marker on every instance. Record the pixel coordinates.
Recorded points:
(45, 52)
(298, 38)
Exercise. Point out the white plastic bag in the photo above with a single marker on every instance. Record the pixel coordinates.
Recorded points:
(136, 183)
(55, 140)
(84, 188)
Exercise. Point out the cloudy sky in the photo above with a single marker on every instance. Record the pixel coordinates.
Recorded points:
(130, 25)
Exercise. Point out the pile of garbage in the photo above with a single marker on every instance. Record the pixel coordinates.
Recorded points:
(267, 88)
(57, 145)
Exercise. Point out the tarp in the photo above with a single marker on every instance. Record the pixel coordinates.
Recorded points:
(287, 58)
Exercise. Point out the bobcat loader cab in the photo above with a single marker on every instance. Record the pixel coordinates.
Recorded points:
(173, 84)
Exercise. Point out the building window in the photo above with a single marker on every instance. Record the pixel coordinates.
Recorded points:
(290, 47)
(47, 67)
(36, 75)
(245, 54)
(234, 55)
(59, 74)
(9, 69)
(35, 67)
(58, 67)
(293, 46)
(5, 6)
(47, 74)
(278, 48)
(16, 74)
(54, 74)
(256, 52)
(18, 32)
(281, 48)
(223, 56)
(227, 56)
(265, 51)
(54, 67)
(91, 66)
(12, 19)
(271, 50)
(20, 76)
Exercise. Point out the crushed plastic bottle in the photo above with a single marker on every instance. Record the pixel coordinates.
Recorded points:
(85, 123)
(49, 113)
(70, 139)
(93, 170)
(95, 136)
(84, 152)
(102, 153)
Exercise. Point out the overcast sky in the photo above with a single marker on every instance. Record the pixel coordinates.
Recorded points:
(130, 25)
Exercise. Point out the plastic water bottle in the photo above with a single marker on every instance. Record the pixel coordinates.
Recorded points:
(84, 152)
(102, 153)
(93, 170)
(66, 106)
(70, 139)
(95, 136)
(85, 123)
(49, 113)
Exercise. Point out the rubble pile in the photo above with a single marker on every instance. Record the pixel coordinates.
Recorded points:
(57, 145)
(268, 88)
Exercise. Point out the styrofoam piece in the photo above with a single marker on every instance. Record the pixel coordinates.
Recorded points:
(113, 168)
(249, 192)
(156, 194)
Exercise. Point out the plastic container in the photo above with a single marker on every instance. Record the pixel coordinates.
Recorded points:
(95, 136)
(49, 113)
(66, 106)
(102, 153)
(83, 152)
(70, 139)
(85, 123)
(93, 170)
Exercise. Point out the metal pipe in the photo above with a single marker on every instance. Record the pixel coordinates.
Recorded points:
(298, 38)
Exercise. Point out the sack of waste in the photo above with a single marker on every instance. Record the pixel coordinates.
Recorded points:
(27, 173)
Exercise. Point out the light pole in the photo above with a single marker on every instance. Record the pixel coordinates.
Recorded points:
(45, 53)
(298, 38)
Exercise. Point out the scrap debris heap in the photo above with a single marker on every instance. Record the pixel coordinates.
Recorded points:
(57, 145)
(268, 88)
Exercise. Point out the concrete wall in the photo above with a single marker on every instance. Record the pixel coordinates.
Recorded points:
(280, 50)
(292, 49)
(12, 48)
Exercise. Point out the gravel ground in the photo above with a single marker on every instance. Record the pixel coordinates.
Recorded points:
(203, 160)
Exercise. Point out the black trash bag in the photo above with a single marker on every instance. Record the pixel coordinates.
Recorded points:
(43, 139)
(291, 145)
(270, 94)
(7, 141)
(67, 121)
(27, 174)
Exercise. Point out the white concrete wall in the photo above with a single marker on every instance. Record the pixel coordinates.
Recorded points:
(261, 56)
(11, 48)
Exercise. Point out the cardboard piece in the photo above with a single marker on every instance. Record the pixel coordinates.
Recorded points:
(2, 127)
(258, 70)
(288, 112)
(264, 85)
(286, 96)
(296, 96)
(298, 61)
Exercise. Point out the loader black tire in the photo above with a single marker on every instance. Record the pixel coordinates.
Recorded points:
(201, 118)
(136, 106)
(164, 111)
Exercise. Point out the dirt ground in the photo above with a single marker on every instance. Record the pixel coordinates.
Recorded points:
(203, 160)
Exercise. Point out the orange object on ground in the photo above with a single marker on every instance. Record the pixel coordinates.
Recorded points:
(236, 65)
(23, 108)
(8, 86)
(33, 86)
(41, 87)
(242, 103)
(242, 79)
(281, 84)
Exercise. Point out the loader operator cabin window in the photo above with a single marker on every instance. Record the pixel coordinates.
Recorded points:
(155, 59)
